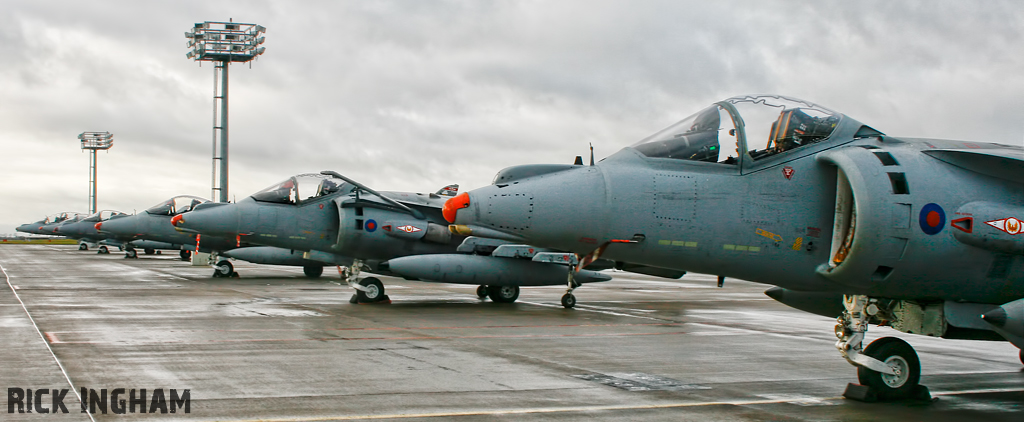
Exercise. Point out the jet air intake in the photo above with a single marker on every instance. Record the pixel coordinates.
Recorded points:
(871, 224)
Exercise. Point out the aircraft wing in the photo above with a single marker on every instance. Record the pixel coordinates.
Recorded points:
(1004, 163)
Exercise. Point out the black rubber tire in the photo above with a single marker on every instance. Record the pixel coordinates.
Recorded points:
(83, 247)
(892, 350)
(224, 269)
(503, 294)
(376, 292)
(568, 301)
(103, 250)
(131, 254)
(148, 251)
(185, 254)
(481, 292)
(313, 271)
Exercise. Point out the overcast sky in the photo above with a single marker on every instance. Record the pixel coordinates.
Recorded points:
(413, 95)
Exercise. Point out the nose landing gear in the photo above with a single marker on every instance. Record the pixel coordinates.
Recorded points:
(888, 369)
(368, 290)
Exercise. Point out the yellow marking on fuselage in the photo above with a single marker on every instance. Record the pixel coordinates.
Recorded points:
(769, 235)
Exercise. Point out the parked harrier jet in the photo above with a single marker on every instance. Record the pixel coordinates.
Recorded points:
(47, 225)
(85, 231)
(154, 225)
(923, 235)
(339, 221)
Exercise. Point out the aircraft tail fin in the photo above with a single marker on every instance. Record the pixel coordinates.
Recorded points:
(450, 190)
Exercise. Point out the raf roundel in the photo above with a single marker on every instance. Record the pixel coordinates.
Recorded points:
(932, 219)
(370, 226)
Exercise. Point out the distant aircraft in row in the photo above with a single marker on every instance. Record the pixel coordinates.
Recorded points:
(335, 220)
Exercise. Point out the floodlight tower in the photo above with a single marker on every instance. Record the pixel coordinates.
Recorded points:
(94, 141)
(223, 43)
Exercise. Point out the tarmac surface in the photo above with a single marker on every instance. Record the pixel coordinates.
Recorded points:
(275, 345)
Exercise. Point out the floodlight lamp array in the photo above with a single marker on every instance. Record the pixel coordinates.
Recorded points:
(96, 140)
(225, 41)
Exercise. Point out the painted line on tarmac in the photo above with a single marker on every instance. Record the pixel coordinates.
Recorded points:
(41, 337)
(590, 308)
(979, 391)
(322, 339)
(534, 411)
(455, 327)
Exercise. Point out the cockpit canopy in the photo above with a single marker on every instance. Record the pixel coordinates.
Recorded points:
(758, 125)
(62, 217)
(177, 205)
(300, 188)
(104, 215)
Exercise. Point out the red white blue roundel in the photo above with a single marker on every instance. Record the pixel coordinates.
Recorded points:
(932, 219)
(370, 226)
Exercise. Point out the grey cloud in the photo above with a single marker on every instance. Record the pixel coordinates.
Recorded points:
(412, 95)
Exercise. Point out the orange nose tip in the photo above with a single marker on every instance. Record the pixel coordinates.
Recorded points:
(98, 225)
(176, 219)
(453, 205)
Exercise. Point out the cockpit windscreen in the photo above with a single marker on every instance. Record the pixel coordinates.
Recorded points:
(176, 205)
(769, 124)
(303, 187)
(708, 136)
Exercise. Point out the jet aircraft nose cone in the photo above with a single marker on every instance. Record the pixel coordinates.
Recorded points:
(452, 206)
(220, 220)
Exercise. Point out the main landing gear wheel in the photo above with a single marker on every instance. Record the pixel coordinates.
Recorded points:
(312, 271)
(83, 247)
(185, 254)
(148, 251)
(374, 290)
(224, 269)
(131, 254)
(568, 301)
(103, 250)
(481, 292)
(503, 294)
(899, 356)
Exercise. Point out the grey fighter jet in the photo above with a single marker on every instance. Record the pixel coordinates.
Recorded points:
(47, 225)
(923, 235)
(85, 231)
(336, 220)
(154, 225)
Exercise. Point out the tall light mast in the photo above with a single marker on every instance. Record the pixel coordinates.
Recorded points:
(94, 141)
(223, 43)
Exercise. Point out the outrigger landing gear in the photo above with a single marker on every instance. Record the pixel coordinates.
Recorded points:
(888, 369)
(368, 290)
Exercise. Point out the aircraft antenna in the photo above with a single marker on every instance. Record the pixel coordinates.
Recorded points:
(223, 43)
(591, 153)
